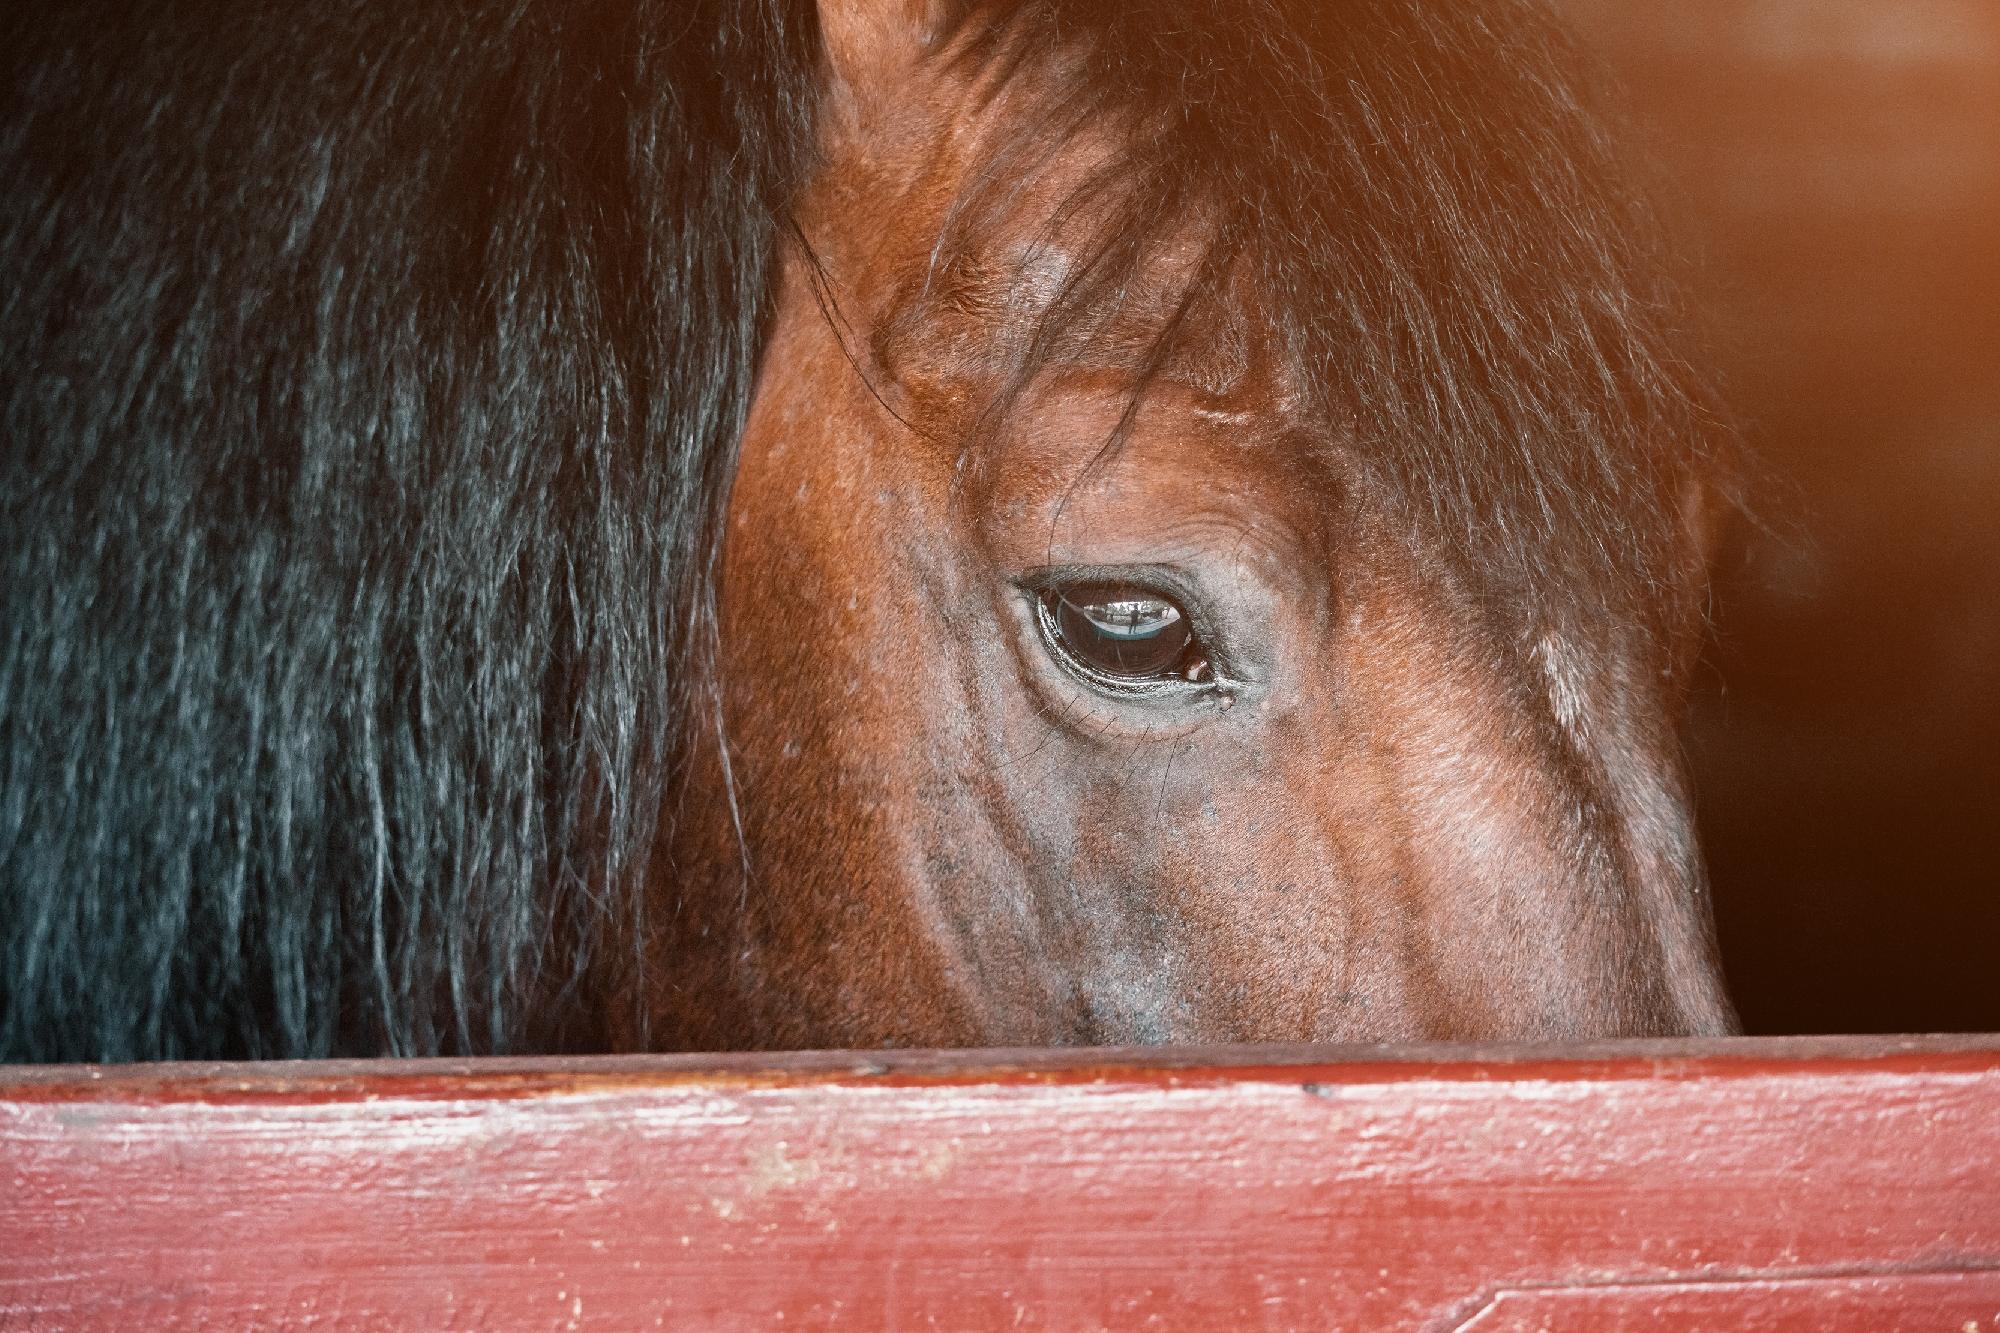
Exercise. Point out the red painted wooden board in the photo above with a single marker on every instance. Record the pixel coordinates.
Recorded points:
(1829, 1184)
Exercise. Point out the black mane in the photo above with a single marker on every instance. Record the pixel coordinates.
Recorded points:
(372, 380)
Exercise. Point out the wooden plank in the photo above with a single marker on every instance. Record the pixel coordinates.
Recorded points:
(1651, 1185)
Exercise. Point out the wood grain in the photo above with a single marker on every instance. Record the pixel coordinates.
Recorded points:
(1368, 1189)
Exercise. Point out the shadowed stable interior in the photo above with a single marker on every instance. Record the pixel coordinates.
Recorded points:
(1836, 169)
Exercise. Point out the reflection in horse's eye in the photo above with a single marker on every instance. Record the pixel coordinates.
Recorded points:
(1123, 632)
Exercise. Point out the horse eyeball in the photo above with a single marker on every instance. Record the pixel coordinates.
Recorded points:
(1123, 633)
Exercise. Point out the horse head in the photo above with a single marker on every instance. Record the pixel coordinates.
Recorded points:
(1213, 554)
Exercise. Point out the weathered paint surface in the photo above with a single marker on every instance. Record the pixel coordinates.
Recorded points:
(1824, 1184)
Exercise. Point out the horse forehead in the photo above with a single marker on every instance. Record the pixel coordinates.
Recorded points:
(986, 315)
(960, 348)
(955, 234)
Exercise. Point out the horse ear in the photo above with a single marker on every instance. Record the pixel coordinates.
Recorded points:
(872, 44)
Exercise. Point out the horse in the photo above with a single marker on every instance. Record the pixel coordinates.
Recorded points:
(584, 525)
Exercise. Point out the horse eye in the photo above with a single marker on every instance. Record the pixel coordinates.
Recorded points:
(1123, 632)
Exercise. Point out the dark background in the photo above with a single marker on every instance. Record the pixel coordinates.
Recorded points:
(1834, 166)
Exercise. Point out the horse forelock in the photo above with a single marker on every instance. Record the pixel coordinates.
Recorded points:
(1410, 207)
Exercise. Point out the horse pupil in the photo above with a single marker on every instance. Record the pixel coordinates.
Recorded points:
(1122, 631)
